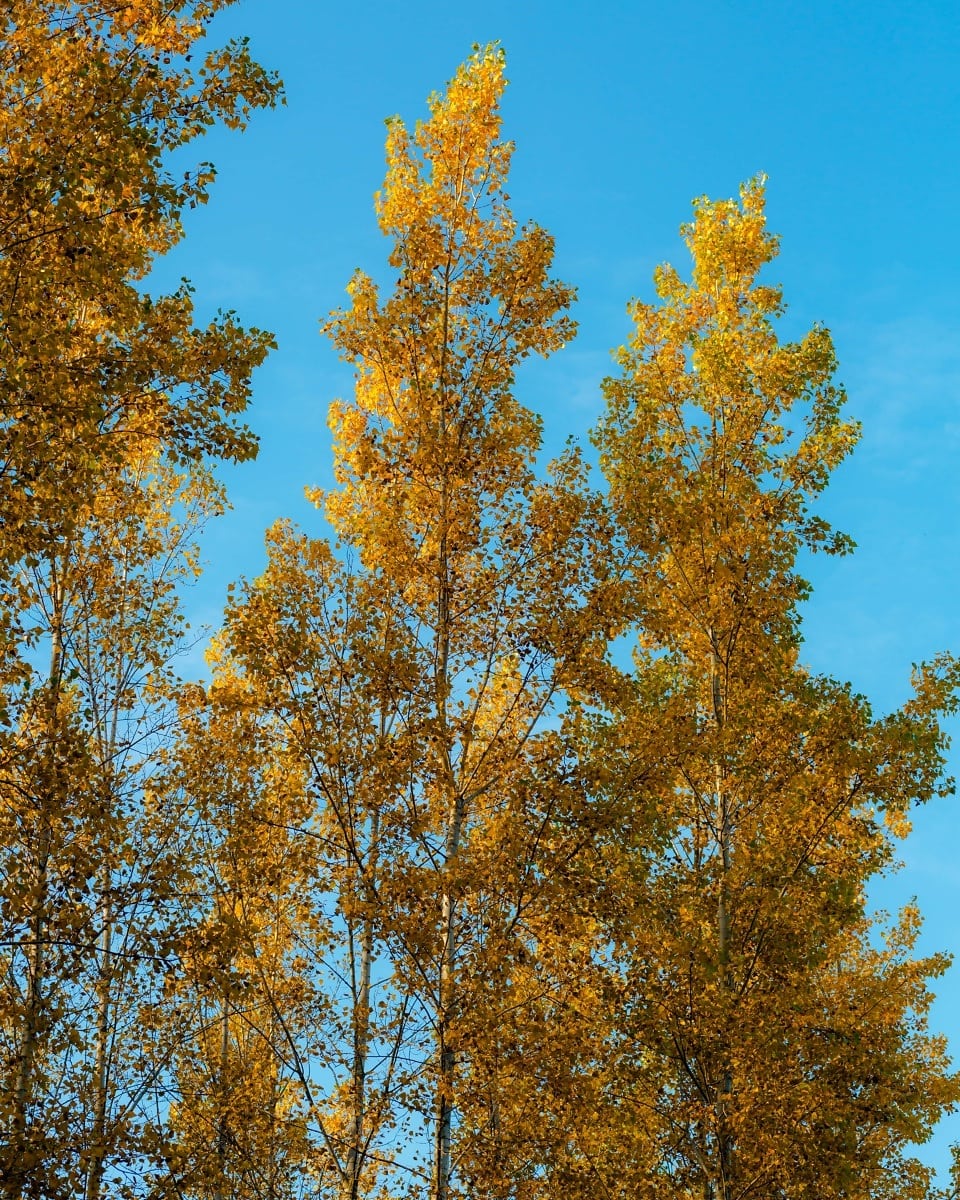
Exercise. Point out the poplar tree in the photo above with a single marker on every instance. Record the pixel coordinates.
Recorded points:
(770, 1036)
(507, 586)
(322, 675)
(418, 666)
(106, 391)
(93, 99)
(427, 897)
(239, 1017)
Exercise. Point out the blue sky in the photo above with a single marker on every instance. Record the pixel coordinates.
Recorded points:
(622, 114)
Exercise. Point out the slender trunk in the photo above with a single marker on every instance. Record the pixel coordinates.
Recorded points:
(356, 1132)
(447, 1052)
(223, 1132)
(725, 1148)
(724, 1086)
(105, 976)
(361, 1036)
(101, 1060)
(32, 1027)
(273, 1144)
(48, 800)
(447, 1064)
(23, 1088)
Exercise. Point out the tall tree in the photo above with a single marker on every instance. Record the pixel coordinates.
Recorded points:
(421, 685)
(764, 1044)
(325, 672)
(437, 494)
(338, 685)
(240, 1013)
(105, 391)
(93, 98)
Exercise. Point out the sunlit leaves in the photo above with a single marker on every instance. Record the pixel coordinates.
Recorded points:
(738, 1060)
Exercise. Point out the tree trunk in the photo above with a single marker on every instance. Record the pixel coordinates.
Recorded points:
(101, 1068)
(48, 799)
(356, 1133)
(223, 1131)
(724, 1084)
(446, 1051)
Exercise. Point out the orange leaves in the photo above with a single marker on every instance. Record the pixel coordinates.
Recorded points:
(729, 242)
(449, 174)
(106, 391)
(416, 689)
(716, 488)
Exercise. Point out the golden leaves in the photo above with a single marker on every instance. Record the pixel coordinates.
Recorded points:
(433, 427)
(776, 795)
(92, 366)
(432, 884)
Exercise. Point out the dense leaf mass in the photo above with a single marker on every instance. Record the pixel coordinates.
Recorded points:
(426, 893)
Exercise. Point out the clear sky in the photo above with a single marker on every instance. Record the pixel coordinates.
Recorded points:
(622, 113)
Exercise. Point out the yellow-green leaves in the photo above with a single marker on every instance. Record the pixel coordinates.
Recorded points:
(743, 944)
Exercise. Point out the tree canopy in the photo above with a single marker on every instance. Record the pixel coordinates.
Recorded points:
(433, 888)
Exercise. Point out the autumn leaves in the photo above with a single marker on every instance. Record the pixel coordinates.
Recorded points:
(108, 393)
(426, 893)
